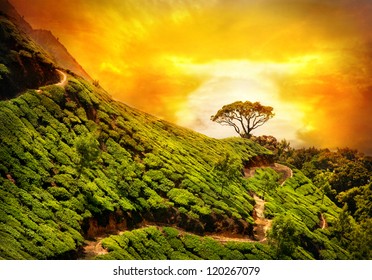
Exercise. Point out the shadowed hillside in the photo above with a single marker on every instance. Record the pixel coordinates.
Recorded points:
(23, 64)
(45, 39)
(58, 52)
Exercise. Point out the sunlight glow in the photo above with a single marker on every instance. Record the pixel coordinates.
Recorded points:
(230, 81)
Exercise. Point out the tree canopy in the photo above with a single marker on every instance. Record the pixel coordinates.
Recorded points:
(243, 116)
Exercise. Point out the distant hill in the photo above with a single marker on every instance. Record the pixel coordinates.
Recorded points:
(6, 8)
(83, 176)
(44, 38)
(58, 51)
(23, 64)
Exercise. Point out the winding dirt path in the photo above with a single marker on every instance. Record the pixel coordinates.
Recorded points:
(285, 171)
(323, 221)
(61, 83)
(224, 238)
(261, 223)
(94, 248)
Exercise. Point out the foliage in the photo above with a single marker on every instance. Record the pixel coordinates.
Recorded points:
(282, 150)
(284, 235)
(228, 168)
(243, 116)
(343, 176)
(167, 243)
(23, 64)
(356, 237)
(61, 164)
(87, 148)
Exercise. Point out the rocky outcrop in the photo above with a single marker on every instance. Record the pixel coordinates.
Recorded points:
(260, 161)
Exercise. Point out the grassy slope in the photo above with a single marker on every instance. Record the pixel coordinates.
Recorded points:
(298, 198)
(146, 170)
(75, 164)
(169, 243)
(145, 166)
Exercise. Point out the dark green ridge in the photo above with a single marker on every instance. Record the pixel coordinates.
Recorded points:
(23, 63)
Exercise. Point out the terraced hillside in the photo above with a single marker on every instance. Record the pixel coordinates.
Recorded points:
(76, 165)
(79, 163)
(80, 170)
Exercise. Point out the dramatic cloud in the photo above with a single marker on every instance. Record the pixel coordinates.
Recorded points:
(181, 60)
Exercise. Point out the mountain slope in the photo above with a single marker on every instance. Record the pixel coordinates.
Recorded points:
(144, 169)
(76, 166)
(58, 52)
(45, 39)
(23, 64)
(6, 8)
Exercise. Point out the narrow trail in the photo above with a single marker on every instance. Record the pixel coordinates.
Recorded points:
(285, 171)
(94, 248)
(323, 222)
(226, 237)
(62, 83)
(261, 223)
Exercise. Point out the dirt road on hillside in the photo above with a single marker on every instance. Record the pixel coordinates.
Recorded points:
(94, 247)
(63, 81)
(285, 171)
(261, 223)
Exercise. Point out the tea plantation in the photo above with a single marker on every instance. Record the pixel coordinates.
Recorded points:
(75, 165)
(78, 168)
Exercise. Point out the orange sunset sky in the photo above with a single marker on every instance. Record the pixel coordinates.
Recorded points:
(181, 60)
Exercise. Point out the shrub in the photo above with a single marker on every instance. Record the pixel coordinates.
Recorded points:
(60, 193)
(170, 232)
(182, 197)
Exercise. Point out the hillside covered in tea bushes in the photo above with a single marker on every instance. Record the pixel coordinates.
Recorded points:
(73, 160)
(78, 168)
(77, 165)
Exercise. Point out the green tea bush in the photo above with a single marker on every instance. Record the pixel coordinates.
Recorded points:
(182, 197)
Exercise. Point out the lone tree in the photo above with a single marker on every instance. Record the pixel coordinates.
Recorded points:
(243, 116)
